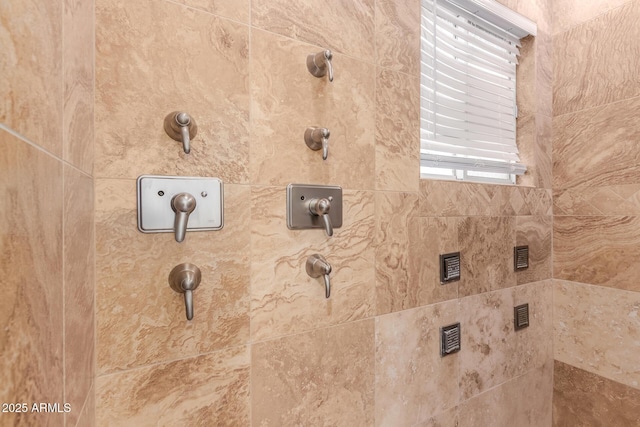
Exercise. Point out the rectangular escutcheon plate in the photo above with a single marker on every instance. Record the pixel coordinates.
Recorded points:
(155, 193)
(299, 196)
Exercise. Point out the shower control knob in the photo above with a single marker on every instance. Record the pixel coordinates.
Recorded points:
(317, 138)
(181, 127)
(321, 208)
(182, 204)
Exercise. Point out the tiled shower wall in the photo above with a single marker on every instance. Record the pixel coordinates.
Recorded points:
(265, 346)
(46, 218)
(596, 193)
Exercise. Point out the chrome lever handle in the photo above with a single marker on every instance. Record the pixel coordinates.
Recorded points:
(181, 127)
(319, 64)
(185, 278)
(317, 138)
(317, 266)
(327, 285)
(182, 204)
(188, 303)
(321, 208)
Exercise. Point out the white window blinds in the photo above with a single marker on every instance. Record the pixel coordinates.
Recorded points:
(468, 93)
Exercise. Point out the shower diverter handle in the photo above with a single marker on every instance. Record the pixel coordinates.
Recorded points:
(321, 208)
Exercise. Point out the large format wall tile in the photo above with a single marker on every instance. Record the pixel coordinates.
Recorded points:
(87, 417)
(569, 13)
(492, 351)
(31, 70)
(397, 131)
(78, 54)
(600, 250)
(31, 262)
(286, 99)
(536, 232)
(621, 199)
(598, 329)
(238, 10)
(486, 254)
(209, 390)
(346, 27)
(581, 398)
(79, 266)
(451, 198)
(608, 136)
(284, 299)
(428, 239)
(154, 57)
(584, 55)
(323, 377)
(395, 287)
(413, 382)
(524, 401)
(141, 320)
(398, 35)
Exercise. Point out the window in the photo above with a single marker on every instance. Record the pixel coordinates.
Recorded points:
(468, 110)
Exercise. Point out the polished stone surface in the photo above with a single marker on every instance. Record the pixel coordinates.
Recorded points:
(323, 377)
(207, 390)
(598, 329)
(600, 250)
(284, 299)
(581, 398)
(79, 273)
(413, 382)
(398, 35)
(155, 57)
(286, 99)
(344, 27)
(31, 266)
(582, 56)
(140, 319)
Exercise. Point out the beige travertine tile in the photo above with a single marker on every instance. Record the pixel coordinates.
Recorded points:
(428, 239)
(526, 96)
(286, 99)
(527, 141)
(524, 402)
(238, 10)
(396, 285)
(31, 70)
(608, 200)
(486, 254)
(155, 57)
(544, 74)
(398, 35)
(596, 63)
(611, 158)
(206, 390)
(413, 382)
(345, 27)
(397, 158)
(79, 289)
(569, 13)
(598, 329)
(31, 268)
(585, 399)
(323, 377)
(536, 232)
(601, 250)
(284, 299)
(87, 417)
(78, 55)
(492, 351)
(543, 152)
(141, 320)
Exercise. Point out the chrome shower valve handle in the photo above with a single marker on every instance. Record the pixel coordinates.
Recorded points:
(319, 64)
(181, 127)
(317, 266)
(182, 204)
(184, 279)
(321, 208)
(317, 138)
